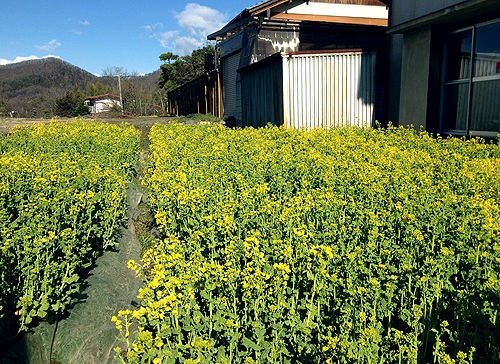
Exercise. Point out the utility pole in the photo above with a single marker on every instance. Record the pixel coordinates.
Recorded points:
(120, 90)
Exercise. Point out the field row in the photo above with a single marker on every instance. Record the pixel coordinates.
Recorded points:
(62, 197)
(349, 245)
(282, 246)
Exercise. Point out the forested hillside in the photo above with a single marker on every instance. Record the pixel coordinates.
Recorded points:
(31, 88)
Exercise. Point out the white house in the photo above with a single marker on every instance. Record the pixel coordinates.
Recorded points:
(103, 103)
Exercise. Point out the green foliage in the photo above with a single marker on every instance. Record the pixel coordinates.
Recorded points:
(168, 57)
(62, 196)
(97, 88)
(27, 81)
(71, 104)
(176, 70)
(4, 109)
(342, 246)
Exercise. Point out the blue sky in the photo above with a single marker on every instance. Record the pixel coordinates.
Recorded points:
(97, 35)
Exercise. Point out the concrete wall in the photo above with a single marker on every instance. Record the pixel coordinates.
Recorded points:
(415, 67)
(406, 10)
(394, 77)
(417, 30)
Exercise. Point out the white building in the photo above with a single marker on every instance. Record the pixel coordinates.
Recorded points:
(103, 103)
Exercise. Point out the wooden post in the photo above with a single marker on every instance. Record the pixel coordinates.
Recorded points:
(219, 96)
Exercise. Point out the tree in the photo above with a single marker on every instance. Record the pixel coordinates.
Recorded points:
(176, 70)
(114, 71)
(71, 104)
(4, 108)
(97, 88)
(168, 57)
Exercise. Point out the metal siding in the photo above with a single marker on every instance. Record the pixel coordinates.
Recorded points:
(270, 41)
(262, 92)
(231, 86)
(330, 90)
(231, 45)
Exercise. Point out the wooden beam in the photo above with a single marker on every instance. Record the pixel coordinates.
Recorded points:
(333, 19)
(269, 7)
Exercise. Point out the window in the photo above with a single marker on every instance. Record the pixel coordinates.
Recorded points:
(471, 88)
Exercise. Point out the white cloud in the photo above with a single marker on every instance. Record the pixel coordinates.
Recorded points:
(179, 43)
(4, 61)
(200, 20)
(50, 46)
(194, 23)
(185, 45)
(167, 39)
(152, 27)
(84, 22)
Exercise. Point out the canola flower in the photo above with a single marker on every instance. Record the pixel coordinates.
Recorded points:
(62, 197)
(342, 246)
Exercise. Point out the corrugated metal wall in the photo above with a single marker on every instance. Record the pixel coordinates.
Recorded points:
(231, 86)
(262, 93)
(310, 90)
(327, 90)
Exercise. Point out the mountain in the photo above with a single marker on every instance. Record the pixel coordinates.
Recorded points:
(31, 88)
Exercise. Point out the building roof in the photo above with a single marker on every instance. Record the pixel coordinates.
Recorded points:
(278, 9)
(103, 97)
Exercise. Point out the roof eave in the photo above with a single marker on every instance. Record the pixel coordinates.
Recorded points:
(242, 19)
(246, 16)
(260, 10)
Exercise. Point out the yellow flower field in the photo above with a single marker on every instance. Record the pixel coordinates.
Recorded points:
(62, 196)
(342, 246)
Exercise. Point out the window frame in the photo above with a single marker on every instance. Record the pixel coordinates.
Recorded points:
(470, 81)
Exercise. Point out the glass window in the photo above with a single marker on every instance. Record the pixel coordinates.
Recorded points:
(471, 102)
(485, 110)
(459, 55)
(487, 52)
(455, 106)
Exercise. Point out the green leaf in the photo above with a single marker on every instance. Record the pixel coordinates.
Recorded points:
(249, 344)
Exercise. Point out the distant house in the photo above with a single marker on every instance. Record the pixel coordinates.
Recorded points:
(445, 65)
(103, 103)
(317, 63)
